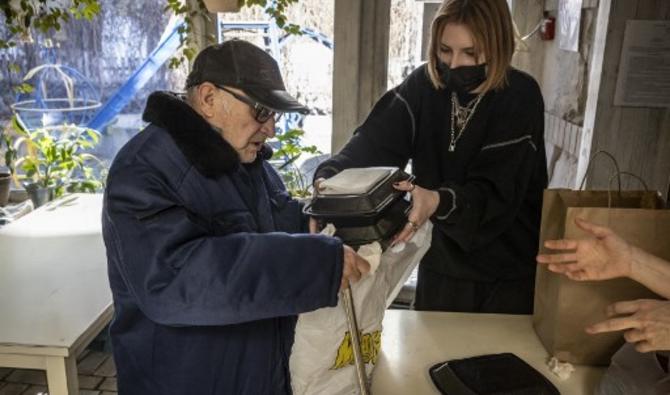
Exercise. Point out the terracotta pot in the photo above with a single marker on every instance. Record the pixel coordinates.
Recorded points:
(222, 5)
(5, 183)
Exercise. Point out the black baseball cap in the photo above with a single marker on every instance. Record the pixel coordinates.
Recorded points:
(242, 65)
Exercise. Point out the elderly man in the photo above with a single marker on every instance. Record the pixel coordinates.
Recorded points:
(206, 267)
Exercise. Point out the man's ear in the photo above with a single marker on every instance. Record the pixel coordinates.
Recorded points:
(206, 96)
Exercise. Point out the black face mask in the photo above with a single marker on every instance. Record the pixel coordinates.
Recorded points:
(462, 79)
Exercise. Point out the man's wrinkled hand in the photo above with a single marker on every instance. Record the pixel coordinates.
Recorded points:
(353, 268)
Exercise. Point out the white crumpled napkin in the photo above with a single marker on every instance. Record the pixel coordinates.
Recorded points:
(561, 369)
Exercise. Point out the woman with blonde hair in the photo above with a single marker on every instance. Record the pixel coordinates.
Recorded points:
(472, 127)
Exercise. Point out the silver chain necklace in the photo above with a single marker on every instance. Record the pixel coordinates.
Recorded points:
(460, 116)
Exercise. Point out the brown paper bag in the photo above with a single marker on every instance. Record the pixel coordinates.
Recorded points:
(563, 307)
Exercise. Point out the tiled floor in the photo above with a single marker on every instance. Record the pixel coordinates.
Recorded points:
(97, 376)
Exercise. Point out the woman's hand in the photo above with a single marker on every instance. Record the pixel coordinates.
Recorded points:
(603, 257)
(424, 205)
(313, 223)
(317, 185)
(646, 323)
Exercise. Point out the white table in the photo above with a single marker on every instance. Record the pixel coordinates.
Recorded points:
(413, 341)
(54, 291)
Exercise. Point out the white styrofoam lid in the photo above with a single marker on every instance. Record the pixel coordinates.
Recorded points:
(355, 181)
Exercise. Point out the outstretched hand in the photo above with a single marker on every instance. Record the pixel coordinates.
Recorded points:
(602, 257)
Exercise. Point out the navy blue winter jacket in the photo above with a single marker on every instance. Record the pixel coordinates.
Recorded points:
(206, 270)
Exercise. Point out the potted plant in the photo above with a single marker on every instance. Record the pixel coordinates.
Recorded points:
(5, 183)
(9, 155)
(54, 161)
(290, 149)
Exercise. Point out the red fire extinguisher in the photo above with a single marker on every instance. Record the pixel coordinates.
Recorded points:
(548, 28)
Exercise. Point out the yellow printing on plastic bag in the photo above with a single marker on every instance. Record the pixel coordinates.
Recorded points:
(370, 346)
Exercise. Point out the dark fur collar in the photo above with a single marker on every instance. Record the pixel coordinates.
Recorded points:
(203, 146)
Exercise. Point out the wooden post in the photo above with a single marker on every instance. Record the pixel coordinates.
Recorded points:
(638, 137)
(360, 63)
(594, 88)
(203, 30)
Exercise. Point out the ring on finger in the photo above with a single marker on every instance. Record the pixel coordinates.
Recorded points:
(414, 225)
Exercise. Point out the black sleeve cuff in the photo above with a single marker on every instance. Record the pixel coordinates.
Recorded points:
(447, 204)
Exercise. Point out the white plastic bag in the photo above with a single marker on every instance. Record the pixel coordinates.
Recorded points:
(322, 359)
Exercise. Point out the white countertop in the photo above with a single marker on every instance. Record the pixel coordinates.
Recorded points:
(413, 341)
(53, 274)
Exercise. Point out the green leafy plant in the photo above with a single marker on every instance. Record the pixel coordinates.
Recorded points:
(43, 15)
(10, 155)
(277, 11)
(187, 50)
(24, 16)
(290, 150)
(56, 158)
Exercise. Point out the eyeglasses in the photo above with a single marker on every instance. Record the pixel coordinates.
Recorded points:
(261, 113)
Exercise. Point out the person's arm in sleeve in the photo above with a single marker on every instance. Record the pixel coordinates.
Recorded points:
(606, 256)
(386, 138)
(480, 209)
(181, 275)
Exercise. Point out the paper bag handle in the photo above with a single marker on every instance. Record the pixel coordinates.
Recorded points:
(593, 160)
(619, 174)
(627, 173)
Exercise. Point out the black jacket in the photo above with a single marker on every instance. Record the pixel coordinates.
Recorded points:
(206, 279)
(487, 224)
